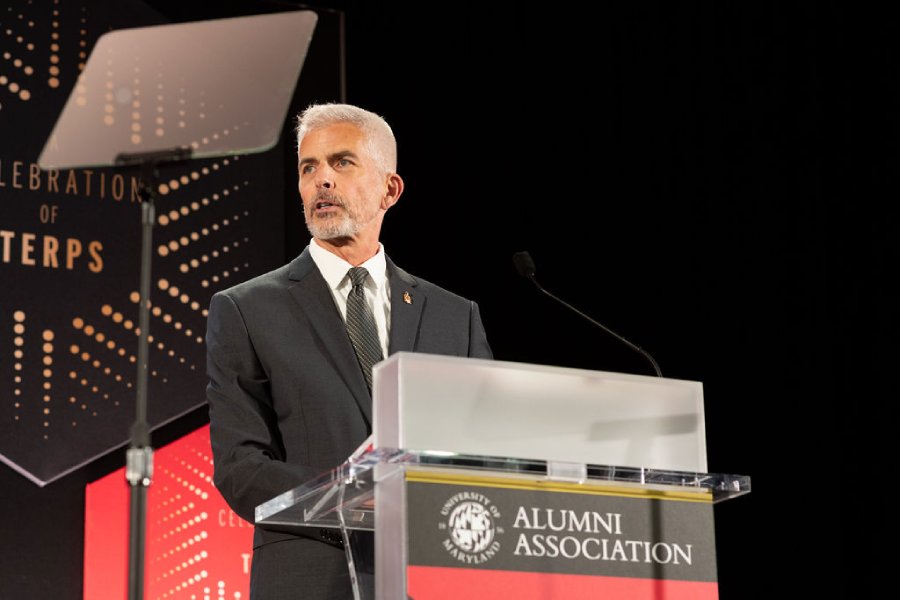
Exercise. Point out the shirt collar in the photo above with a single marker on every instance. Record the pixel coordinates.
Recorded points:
(334, 268)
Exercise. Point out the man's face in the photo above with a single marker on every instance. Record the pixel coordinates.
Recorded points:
(341, 186)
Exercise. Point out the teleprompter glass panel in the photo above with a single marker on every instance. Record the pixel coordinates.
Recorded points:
(211, 88)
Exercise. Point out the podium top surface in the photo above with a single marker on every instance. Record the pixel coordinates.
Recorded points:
(344, 496)
(214, 88)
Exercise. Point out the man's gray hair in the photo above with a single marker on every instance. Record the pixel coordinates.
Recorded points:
(379, 138)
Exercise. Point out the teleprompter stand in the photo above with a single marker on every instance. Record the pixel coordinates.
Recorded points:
(139, 457)
(229, 84)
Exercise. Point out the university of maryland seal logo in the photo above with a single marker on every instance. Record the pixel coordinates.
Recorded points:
(471, 522)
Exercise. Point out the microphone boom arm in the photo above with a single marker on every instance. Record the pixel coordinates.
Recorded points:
(634, 347)
(525, 267)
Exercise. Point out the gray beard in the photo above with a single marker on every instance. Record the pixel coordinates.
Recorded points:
(332, 228)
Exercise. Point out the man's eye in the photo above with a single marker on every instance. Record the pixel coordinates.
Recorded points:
(306, 169)
(343, 162)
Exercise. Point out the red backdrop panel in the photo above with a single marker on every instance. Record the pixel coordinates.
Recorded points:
(196, 546)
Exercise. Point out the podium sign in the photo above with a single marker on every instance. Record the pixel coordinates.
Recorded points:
(490, 536)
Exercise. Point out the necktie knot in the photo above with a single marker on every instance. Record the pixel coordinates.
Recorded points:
(357, 276)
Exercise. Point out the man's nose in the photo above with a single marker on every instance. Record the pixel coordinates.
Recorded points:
(324, 178)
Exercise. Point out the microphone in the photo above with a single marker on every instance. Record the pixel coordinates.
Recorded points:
(525, 266)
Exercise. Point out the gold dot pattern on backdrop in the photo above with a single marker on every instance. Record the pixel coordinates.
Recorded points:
(101, 338)
(96, 370)
(91, 390)
(170, 323)
(136, 103)
(53, 68)
(106, 371)
(225, 275)
(175, 215)
(87, 383)
(17, 69)
(195, 206)
(185, 242)
(47, 374)
(173, 292)
(156, 311)
(82, 39)
(18, 354)
(186, 179)
(213, 137)
(178, 244)
(87, 388)
(134, 95)
(159, 116)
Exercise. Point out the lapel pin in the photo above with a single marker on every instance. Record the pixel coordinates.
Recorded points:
(407, 298)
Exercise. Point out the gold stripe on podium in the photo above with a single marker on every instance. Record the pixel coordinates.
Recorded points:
(525, 482)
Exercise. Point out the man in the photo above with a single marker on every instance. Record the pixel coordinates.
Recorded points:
(288, 396)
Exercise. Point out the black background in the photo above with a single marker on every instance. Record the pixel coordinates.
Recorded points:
(713, 181)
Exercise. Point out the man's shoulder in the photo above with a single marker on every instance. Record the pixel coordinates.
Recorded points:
(259, 285)
(431, 289)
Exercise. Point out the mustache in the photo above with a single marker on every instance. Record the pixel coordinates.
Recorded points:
(329, 197)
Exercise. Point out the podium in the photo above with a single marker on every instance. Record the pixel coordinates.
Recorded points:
(491, 479)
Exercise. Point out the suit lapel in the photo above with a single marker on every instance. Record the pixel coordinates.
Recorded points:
(406, 309)
(311, 293)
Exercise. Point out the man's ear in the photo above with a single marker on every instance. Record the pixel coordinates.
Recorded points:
(394, 190)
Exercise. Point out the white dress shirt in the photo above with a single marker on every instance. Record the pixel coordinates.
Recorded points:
(378, 293)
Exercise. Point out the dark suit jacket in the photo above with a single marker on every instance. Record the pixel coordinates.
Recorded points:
(287, 399)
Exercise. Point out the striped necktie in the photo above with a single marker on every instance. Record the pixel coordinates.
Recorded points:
(361, 325)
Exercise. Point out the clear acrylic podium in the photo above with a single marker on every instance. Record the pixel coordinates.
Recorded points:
(494, 479)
